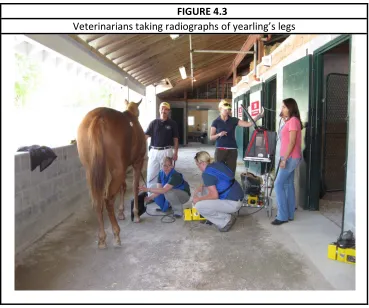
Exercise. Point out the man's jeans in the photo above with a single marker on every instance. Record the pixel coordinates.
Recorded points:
(285, 190)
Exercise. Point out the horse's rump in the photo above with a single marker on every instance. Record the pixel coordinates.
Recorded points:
(108, 140)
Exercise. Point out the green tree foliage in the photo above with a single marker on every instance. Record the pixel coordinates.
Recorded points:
(28, 77)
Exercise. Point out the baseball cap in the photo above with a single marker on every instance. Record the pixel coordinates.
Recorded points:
(224, 104)
(165, 104)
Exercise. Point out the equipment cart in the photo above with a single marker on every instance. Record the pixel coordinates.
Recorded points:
(263, 198)
(261, 149)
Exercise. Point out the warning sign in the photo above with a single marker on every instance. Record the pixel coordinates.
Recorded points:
(255, 108)
(240, 112)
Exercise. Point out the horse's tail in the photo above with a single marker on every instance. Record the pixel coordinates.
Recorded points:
(98, 171)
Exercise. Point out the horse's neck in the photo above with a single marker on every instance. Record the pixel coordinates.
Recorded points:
(130, 114)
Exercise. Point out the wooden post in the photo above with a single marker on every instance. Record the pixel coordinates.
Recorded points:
(234, 75)
(223, 86)
(260, 50)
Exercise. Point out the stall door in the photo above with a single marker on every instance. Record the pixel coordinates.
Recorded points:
(296, 84)
(335, 132)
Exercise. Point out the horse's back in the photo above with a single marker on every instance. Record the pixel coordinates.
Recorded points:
(122, 134)
(134, 132)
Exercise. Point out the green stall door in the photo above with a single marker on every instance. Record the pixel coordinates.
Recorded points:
(296, 84)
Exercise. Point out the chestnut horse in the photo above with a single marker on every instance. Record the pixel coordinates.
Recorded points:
(108, 142)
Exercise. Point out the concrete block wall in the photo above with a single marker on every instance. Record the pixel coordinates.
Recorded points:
(44, 199)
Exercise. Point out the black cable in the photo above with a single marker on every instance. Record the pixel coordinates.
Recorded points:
(248, 214)
(169, 215)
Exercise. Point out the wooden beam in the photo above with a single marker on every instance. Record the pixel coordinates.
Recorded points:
(93, 50)
(178, 55)
(135, 44)
(89, 37)
(120, 49)
(146, 54)
(215, 62)
(142, 72)
(134, 55)
(105, 40)
(249, 43)
(113, 41)
(219, 59)
(198, 73)
(143, 53)
(260, 50)
(223, 86)
(234, 73)
(128, 46)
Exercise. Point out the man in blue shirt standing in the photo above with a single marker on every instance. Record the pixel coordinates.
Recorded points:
(223, 131)
(164, 142)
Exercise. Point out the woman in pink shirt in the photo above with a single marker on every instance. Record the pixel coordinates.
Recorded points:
(290, 136)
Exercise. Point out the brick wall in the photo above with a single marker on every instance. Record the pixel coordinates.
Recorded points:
(44, 199)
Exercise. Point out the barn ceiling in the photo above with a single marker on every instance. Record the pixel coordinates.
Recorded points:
(151, 58)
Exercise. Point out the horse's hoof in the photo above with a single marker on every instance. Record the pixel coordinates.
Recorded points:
(117, 243)
(102, 245)
(121, 216)
(137, 220)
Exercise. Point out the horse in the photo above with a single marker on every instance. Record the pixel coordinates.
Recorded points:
(108, 142)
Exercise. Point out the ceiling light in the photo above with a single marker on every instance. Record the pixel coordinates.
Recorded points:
(182, 70)
(174, 36)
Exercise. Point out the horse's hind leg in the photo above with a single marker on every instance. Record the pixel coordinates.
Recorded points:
(121, 204)
(102, 235)
(137, 168)
(114, 186)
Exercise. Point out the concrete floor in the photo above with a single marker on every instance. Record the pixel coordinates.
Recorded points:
(253, 255)
(331, 206)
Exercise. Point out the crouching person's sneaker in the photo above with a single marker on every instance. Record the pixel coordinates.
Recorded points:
(206, 222)
(178, 215)
(229, 225)
(159, 209)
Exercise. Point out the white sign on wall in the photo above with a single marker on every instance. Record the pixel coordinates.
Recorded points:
(255, 103)
(240, 112)
(255, 108)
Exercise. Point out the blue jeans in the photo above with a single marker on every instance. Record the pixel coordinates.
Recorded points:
(285, 190)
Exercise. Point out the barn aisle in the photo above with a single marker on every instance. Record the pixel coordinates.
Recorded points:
(253, 255)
